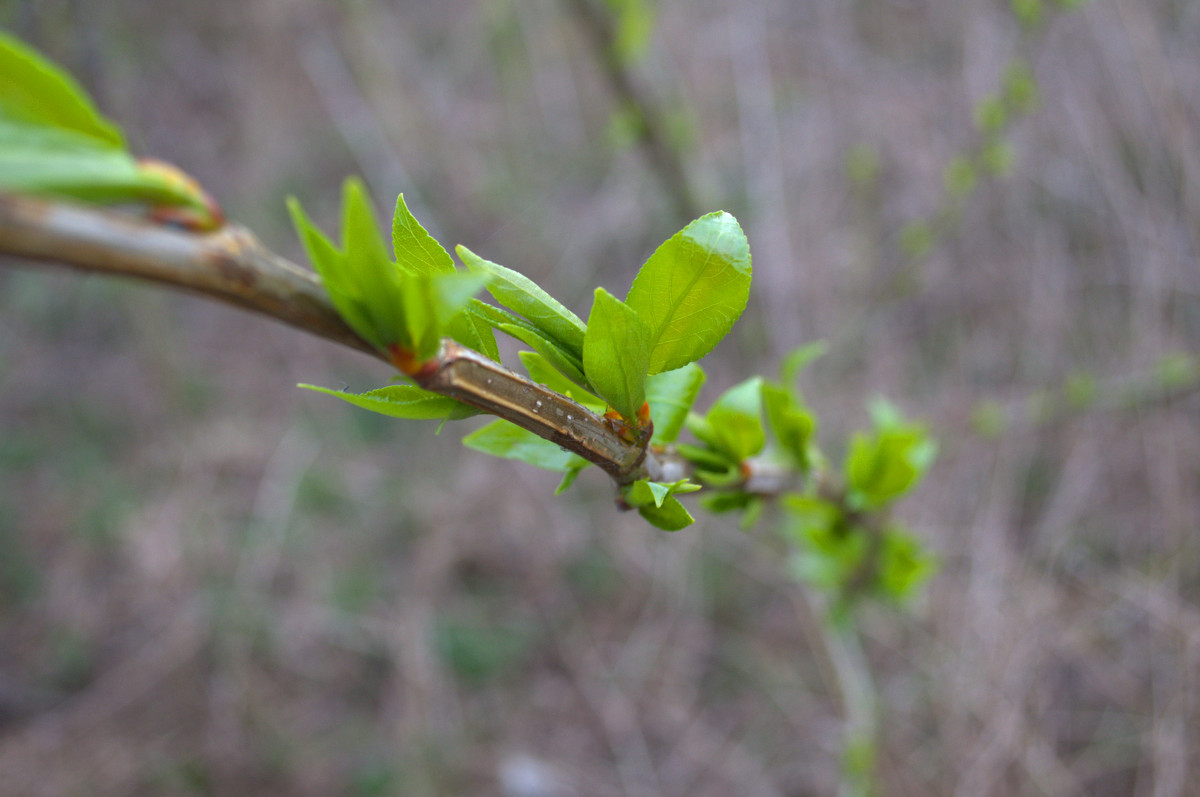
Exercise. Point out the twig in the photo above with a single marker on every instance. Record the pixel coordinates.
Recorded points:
(230, 265)
(663, 158)
(233, 266)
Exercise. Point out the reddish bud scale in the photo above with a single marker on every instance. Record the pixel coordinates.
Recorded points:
(188, 218)
(407, 362)
(636, 435)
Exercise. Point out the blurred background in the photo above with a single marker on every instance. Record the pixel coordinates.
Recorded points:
(214, 583)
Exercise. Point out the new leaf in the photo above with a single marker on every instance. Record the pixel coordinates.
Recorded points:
(416, 250)
(616, 354)
(692, 290)
(401, 401)
(671, 396)
(521, 294)
(54, 142)
(503, 439)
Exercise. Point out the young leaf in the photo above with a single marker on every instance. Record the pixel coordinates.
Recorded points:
(692, 290)
(328, 260)
(557, 356)
(33, 90)
(519, 293)
(904, 565)
(430, 302)
(791, 423)
(503, 439)
(574, 467)
(726, 501)
(401, 401)
(366, 270)
(616, 354)
(671, 516)
(706, 459)
(362, 281)
(671, 396)
(735, 420)
(360, 230)
(885, 465)
(644, 493)
(416, 250)
(474, 333)
(541, 371)
(54, 142)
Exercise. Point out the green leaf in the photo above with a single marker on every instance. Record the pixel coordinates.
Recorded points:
(360, 229)
(1020, 91)
(401, 401)
(829, 549)
(1028, 12)
(415, 249)
(645, 493)
(990, 115)
(382, 302)
(960, 176)
(616, 354)
(634, 24)
(541, 371)
(917, 239)
(791, 423)
(430, 302)
(503, 439)
(998, 158)
(671, 516)
(329, 262)
(706, 459)
(735, 420)
(365, 273)
(882, 466)
(904, 565)
(671, 395)
(703, 431)
(54, 142)
(734, 501)
(36, 92)
(521, 294)
(574, 467)
(474, 332)
(557, 356)
(692, 290)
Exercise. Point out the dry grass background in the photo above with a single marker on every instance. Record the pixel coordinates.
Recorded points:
(213, 583)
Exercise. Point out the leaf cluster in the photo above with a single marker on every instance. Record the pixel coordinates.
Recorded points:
(633, 361)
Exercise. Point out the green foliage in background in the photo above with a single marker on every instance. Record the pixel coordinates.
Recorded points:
(990, 155)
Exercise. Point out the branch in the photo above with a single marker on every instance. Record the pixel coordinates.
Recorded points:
(663, 157)
(233, 266)
(230, 265)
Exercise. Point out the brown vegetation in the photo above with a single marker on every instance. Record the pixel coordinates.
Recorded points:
(211, 582)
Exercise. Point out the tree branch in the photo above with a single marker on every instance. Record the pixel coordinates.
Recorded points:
(233, 266)
(230, 265)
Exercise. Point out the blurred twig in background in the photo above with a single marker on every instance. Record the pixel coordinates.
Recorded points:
(634, 97)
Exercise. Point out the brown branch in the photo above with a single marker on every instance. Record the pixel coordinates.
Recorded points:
(232, 266)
